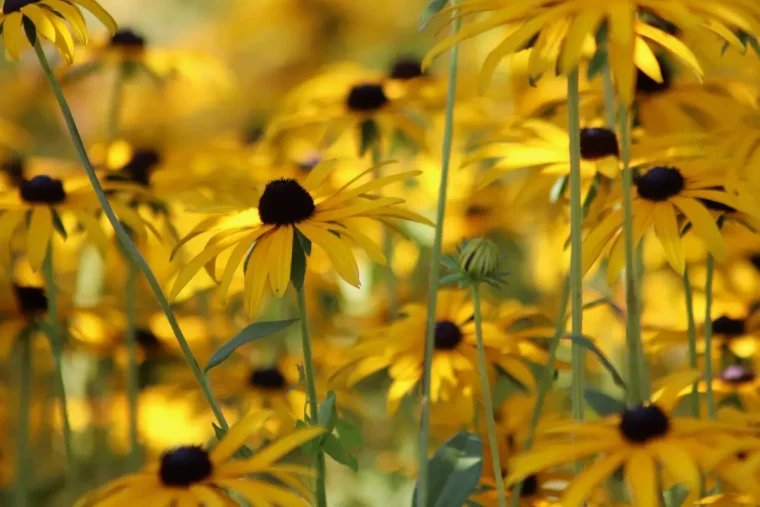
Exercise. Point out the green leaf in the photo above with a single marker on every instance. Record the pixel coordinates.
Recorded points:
(335, 450)
(370, 136)
(596, 64)
(298, 261)
(454, 471)
(559, 189)
(255, 331)
(58, 224)
(602, 403)
(603, 302)
(451, 279)
(589, 345)
(328, 413)
(312, 446)
(433, 8)
(350, 435)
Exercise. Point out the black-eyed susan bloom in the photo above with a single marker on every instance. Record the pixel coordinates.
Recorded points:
(667, 198)
(454, 381)
(561, 33)
(49, 18)
(290, 217)
(645, 440)
(194, 476)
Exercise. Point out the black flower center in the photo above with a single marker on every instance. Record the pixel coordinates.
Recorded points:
(147, 340)
(597, 143)
(447, 335)
(14, 169)
(16, 5)
(644, 423)
(365, 98)
(285, 202)
(184, 466)
(736, 374)
(267, 378)
(477, 210)
(755, 260)
(128, 39)
(406, 68)
(139, 168)
(31, 300)
(43, 190)
(530, 486)
(660, 183)
(729, 327)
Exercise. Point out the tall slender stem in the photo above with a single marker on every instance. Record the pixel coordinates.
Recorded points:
(637, 388)
(484, 385)
(22, 437)
(56, 346)
(435, 269)
(576, 238)
(117, 99)
(124, 238)
(390, 277)
(132, 373)
(708, 338)
(692, 333)
(545, 382)
(311, 392)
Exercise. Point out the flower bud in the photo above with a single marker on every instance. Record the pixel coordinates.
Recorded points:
(479, 257)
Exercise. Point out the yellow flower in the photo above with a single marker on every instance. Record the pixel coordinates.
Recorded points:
(290, 216)
(193, 476)
(640, 440)
(667, 198)
(454, 381)
(49, 18)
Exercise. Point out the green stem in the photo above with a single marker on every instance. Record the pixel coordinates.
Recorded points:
(311, 392)
(576, 241)
(545, 382)
(637, 388)
(132, 373)
(56, 346)
(435, 263)
(692, 333)
(390, 281)
(484, 385)
(124, 238)
(708, 338)
(22, 442)
(117, 100)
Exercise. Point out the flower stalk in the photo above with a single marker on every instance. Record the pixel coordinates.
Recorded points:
(311, 392)
(576, 241)
(124, 237)
(692, 334)
(487, 401)
(21, 498)
(132, 373)
(709, 396)
(390, 277)
(435, 262)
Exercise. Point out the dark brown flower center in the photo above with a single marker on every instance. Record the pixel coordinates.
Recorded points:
(598, 143)
(31, 300)
(406, 68)
(14, 168)
(530, 486)
(267, 378)
(43, 190)
(729, 327)
(185, 466)
(285, 202)
(736, 374)
(139, 168)
(447, 335)
(366, 98)
(643, 423)
(16, 5)
(147, 340)
(660, 183)
(128, 39)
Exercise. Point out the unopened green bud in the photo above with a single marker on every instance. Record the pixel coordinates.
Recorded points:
(480, 257)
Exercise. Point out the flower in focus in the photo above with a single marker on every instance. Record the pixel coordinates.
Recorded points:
(49, 18)
(640, 440)
(192, 476)
(290, 216)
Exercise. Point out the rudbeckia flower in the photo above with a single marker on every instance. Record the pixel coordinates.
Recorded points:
(640, 440)
(558, 32)
(20, 307)
(193, 476)
(667, 197)
(290, 216)
(41, 203)
(398, 348)
(49, 18)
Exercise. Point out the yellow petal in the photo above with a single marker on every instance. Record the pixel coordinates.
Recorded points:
(13, 35)
(641, 475)
(704, 225)
(584, 484)
(666, 229)
(646, 61)
(338, 251)
(100, 13)
(583, 25)
(41, 22)
(238, 434)
(39, 232)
